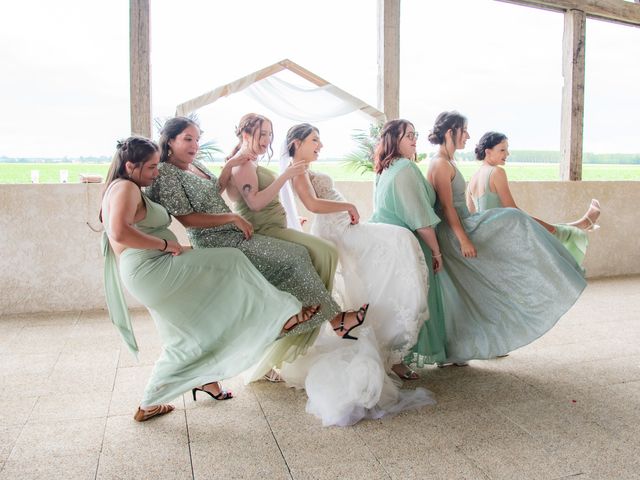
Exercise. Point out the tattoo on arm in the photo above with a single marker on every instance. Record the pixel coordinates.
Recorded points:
(246, 188)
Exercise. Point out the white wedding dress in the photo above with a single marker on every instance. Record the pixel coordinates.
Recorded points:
(382, 265)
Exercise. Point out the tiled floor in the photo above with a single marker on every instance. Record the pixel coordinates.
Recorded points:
(567, 406)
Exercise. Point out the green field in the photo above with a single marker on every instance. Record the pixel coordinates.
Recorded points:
(50, 172)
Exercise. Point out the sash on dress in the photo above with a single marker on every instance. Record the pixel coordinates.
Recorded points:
(118, 310)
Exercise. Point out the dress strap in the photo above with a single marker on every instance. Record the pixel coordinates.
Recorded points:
(118, 310)
(487, 185)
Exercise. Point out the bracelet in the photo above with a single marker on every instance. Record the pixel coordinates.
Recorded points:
(166, 244)
(436, 256)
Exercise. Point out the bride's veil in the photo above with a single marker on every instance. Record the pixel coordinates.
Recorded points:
(287, 197)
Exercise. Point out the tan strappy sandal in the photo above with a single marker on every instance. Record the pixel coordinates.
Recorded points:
(155, 411)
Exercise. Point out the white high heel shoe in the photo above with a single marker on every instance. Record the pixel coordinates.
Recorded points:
(593, 226)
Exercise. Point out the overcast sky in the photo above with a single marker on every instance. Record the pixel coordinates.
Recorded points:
(65, 81)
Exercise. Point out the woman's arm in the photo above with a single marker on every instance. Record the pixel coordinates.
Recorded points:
(125, 201)
(428, 235)
(240, 158)
(441, 178)
(501, 185)
(210, 220)
(246, 181)
(304, 189)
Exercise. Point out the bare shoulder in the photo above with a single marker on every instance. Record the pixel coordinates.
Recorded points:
(499, 174)
(247, 168)
(123, 187)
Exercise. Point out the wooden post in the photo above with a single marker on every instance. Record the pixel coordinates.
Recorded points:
(389, 58)
(573, 57)
(140, 67)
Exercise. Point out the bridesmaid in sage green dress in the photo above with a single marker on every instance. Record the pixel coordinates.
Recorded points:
(254, 190)
(489, 188)
(214, 312)
(507, 280)
(192, 193)
(404, 198)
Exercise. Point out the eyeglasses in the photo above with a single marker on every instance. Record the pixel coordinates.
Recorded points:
(412, 135)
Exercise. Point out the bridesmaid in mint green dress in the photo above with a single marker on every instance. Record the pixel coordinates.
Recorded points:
(403, 197)
(214, 312)
(489, 188)
(508, 281)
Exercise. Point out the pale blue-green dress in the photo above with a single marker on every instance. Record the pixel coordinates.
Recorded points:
(215, 314)
(573, 238)
(520, 284)
(403, 197)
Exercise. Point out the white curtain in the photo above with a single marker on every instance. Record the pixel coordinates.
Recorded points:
(302, 104)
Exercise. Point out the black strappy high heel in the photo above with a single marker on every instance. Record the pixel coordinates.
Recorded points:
(223, 395)
(360, 316)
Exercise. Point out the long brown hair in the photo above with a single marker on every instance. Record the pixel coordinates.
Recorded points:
(135, 149)
(387, 150)
(250, 124)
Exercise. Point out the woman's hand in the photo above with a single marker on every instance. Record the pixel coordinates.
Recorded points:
(294, 170)
(436, 262)
(174, 248)
(468, 249)
(244, 225)
(353, 213)
(243, 156)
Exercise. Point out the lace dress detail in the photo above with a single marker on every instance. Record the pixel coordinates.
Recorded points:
(384, 266)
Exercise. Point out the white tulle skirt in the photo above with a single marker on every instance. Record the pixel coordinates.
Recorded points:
(346, 380)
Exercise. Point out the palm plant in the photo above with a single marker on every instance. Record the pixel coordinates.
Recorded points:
(366, 141)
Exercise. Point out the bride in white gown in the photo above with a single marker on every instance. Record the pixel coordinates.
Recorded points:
(379, 264)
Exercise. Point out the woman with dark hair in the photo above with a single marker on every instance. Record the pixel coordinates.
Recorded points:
(192, 295)
(379, 263)
(192, 193)
(404, 198)
(507, 280)
(489, 188)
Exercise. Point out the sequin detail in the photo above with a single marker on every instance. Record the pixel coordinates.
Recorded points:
(285, 265)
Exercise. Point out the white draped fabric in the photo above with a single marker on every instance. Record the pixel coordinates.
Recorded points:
(303, 104)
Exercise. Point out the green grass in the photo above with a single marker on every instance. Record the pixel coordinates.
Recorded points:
(50, 172)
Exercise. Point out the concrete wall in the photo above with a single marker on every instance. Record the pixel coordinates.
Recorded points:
(51, 259)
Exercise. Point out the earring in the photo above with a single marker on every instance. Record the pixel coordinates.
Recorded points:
(170, 153)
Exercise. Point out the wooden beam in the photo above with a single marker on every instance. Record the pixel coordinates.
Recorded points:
(286, 64)
(389, 58)
(140, 67)
(304, 73)
(613, 10)
(573, 62)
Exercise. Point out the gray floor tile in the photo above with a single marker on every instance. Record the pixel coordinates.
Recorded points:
(154, 449)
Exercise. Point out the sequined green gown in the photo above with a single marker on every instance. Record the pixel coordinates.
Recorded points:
(272, 222)
(404, 198)
(285, 265)
(215, 314)
(574, 239)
